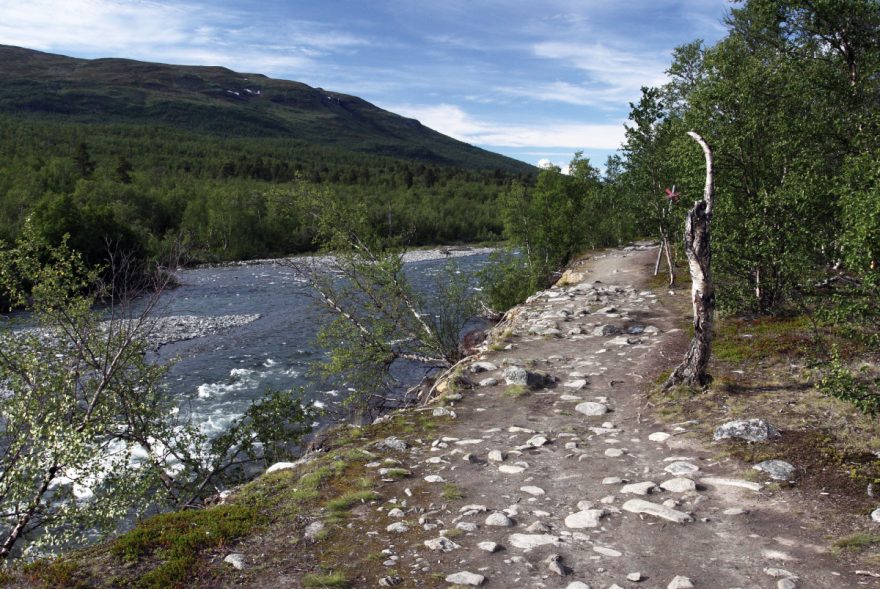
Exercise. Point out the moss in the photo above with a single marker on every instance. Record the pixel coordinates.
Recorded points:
(397, 473)
(336, 579)
(51, 574)
(176, 539)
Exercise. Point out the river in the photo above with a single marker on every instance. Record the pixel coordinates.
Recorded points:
(217, 376)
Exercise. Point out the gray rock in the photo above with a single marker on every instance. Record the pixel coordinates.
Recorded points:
(875, 515)
(724, 482)
(661, 511)
(313, 530)
(526, 541)
(488, 546)
(516, 375)
(554, 564)
(443, 412)
(397, 528)
(442, 544)
(393, 443)
(390, 581)
(591, 408)
(532, 490)
(578, 585)
(638, 488)
(396, 513)
(679, 485)
(750, 430)
(488, 382)
(681, 468)
(679, 582)
(776, 469)
(466, 526)
(606, 330)
(496, 456)
(477, 367)
(465, 578)
(538, 528)
(786, 584)
(587, 518)
(236, 560)
(499, 520)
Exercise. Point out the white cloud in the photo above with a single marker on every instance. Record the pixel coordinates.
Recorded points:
(172, 32)
(455, 122)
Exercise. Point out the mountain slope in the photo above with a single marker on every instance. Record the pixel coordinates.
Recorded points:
(218, 101)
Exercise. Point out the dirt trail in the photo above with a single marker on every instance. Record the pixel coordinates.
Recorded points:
(561, 507)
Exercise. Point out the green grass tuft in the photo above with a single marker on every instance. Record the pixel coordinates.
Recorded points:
(336, 579)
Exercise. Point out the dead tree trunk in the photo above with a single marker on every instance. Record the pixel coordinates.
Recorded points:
(692, 370)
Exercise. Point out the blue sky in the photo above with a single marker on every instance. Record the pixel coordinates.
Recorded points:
(533, 80)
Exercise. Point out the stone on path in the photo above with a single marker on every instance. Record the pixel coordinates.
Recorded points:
(397, 528)
(605, 551)
(499, 520)
(680, 582)
(526, 541)
(516, 375)
(488, 546)
(638, 488)
(591, 408)
(659, 437)
(442, 544)
(578, 585)
(606, 330)
(482, 367)
(510, 469)
(587, 518)
(536, 441)
(786, 584)
(776, 469)
(723, 482)
(777, 572)
(313, 530)
(576, 384)
(681, 468)
(532, 490)
(679, 485)
(614, 452)
(236, 560)
(875, 515)
(465, 578)
(612, 481)
(434, 478)
(496, 456)
(634, 577)
(663, 512)
(750, 430)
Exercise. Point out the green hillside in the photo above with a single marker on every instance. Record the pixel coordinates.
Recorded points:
(218, 101)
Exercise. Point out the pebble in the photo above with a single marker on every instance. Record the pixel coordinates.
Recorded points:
(496, 456)
(612, 481)
(578, 585)
(482, 367)
(786, 584)
(587, 518)
(488, 546)
(466, 578)
(661, 511)
(634, 577)
(679, 582)
(434, 478)
(591, 408)
(659, 437)
(488, 382)
(499, 520)
(777, 572)
(538, 528)
(236, 560)
(397, 528)
(576, 384)
(554, 564)
(396, 513)
(875, 515)
(536, 441)
(614, 452)
(734, 511)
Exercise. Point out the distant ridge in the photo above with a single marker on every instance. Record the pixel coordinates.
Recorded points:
(219, 101)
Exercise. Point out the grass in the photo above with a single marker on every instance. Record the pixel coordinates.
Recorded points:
(350, 499)
(336, 579)
(515, 391)
(451, 492)
(397, 473)
(739, 340)
(856, 542)
(453, 533)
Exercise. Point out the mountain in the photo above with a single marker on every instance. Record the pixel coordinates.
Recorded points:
(219, 101)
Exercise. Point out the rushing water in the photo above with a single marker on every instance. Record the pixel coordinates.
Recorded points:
(218, 376)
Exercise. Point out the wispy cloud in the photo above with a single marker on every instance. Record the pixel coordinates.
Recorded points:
(455, 122)
(173, 32)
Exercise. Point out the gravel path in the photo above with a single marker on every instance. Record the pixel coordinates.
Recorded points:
(568, 481)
